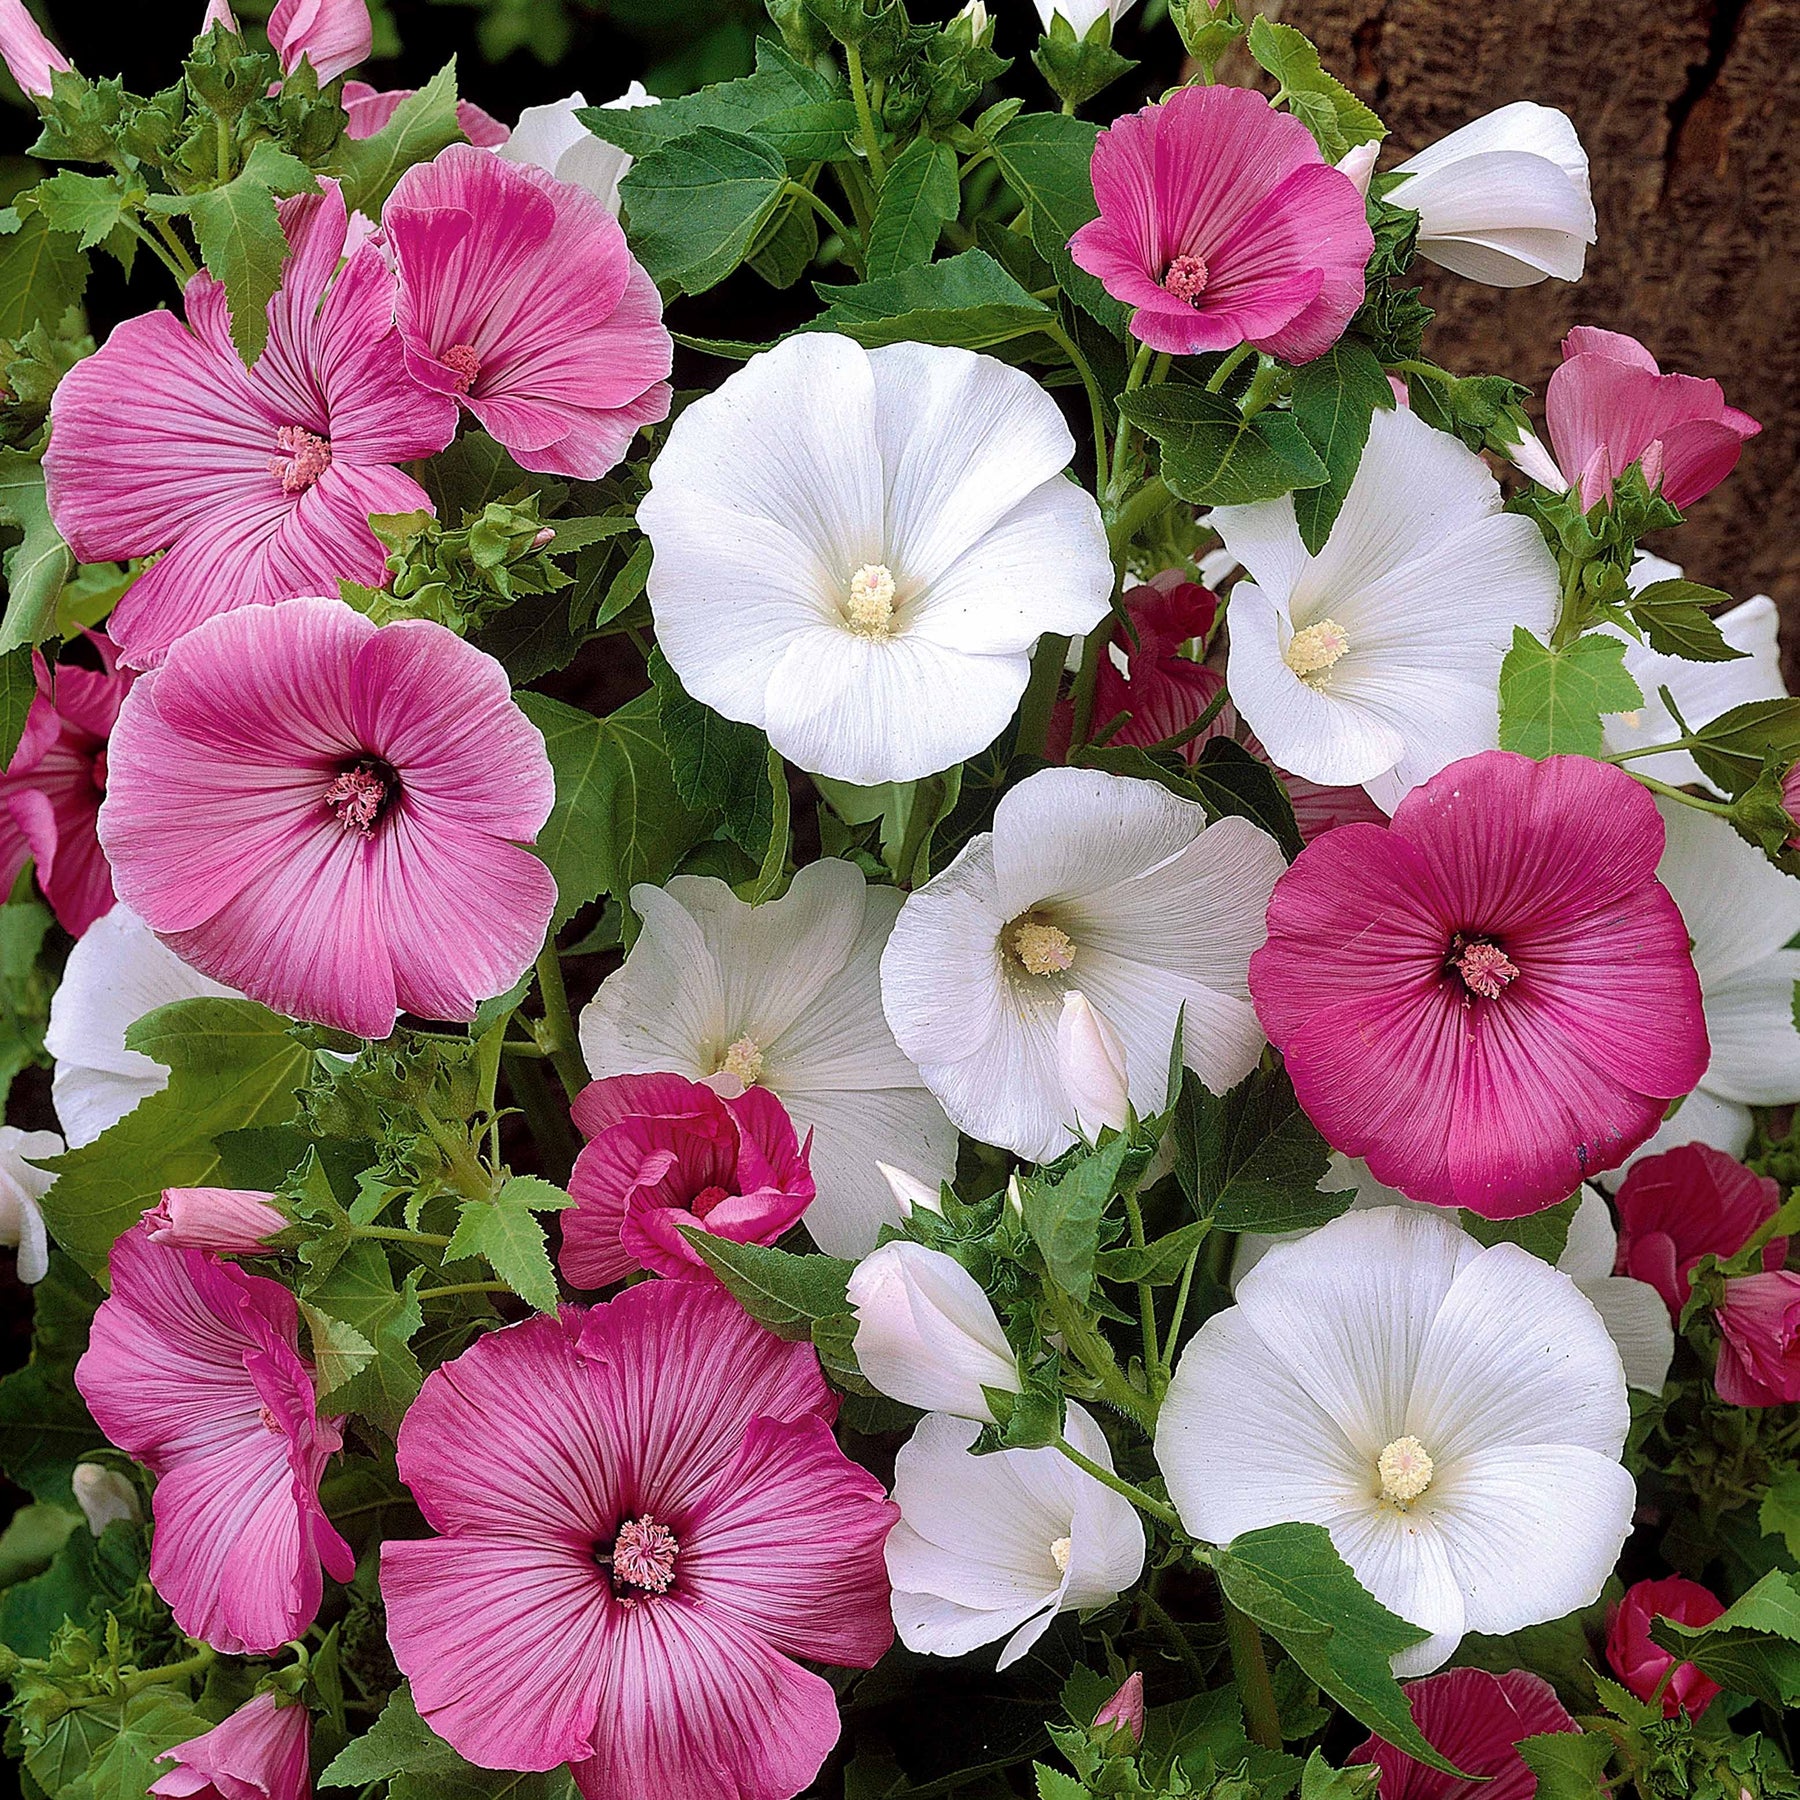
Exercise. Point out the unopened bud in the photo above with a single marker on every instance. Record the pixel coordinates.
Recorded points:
(1359, 165)
(219, 13)
(1091, 1061)
(104, 1496)
(544, 538)
(909, 1191)
(27, 53)
(222, 1220)
(1123, 1712)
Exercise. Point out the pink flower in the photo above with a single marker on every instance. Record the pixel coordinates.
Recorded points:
(29, 56)
(519, 297)
(219, 14)
(1317, 808)
(664, 1152)
(1492, 998)
(369, 109)
(1222, 223)
(193, 1367)
(645, 1521)
(1125, 1710)
(218, 1219)
(53, 787)
(1474, 1719)
(333, 35)
(1685, 1204)
(1759, 1347)
(257, 483)
(1642, 1665)
(1608, 406)
(259, 1753)
(326, 816)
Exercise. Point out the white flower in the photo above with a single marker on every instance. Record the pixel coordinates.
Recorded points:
(1088, 880)
(1702, 690)
(552, 138)
(1452, 1416)
(1358, 163)
(856, 550)
(104, 1495)
(1633, 1312)
(1082, 15)
(1091, 1062)
(992, 1545)
(926, 1333)
(909, 1191)
(785, 995)
(1504, 199)
(1378, 660)
(21, 1188)
(117, 972)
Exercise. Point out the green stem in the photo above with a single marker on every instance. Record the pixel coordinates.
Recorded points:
(471, 1180)
(1094, 1354)
(1134, 379)
(197, 1664)
(1143, 506)
(223, 140)
(155, 247)
(185, 266)
(832, 222)
(1040, 693)
(1145, 1503)
(928, 797)
(1229, 367)
(556, 1030)
(1096, 407)
(1134, 1217)
(1250, 1669)
(1675, 793)
(865, 119)
(464, 1287)
(398, 1234)
(1172, 1336)
(1154, 1610)
(1264, 386)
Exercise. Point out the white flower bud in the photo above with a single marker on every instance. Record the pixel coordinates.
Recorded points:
(926, 1333)
(104, 1495)
(909, 1191)
(1359, 165)
(1091, 1061)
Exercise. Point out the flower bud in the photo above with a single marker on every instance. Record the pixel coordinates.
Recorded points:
(909, 1191)
(222, 1220)
(926, 1333)
(1124, 1711)
(262, 1748)
(1359, 165)
(1644, 1666)
(104, 1495)
(1091, 1061)
(27, 53)
(218, 13)
(333, 35)
(1759, 1328)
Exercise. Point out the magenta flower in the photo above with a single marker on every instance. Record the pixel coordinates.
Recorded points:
(258, 483)
(259, 1753)
(1759, 1340)
(1475, 1720)
(1222, 223)
(193, 1367)
(222, 1220)
(1492, 998)
(664, 1152)
(53, 787)
(1644, 1666)
(367, 109)
(1685, 1204)
(30, 57)
(333, 35)
(519, 297)
(1609, 406)
(645, 1521)
(326, 816)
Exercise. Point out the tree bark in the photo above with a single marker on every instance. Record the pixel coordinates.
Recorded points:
(1687, 109)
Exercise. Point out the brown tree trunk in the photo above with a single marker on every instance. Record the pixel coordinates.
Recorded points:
(1688, 109)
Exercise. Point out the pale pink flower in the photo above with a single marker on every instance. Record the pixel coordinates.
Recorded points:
(664, 1152)
(519, 297)
(1492, 998)
(222, 1220)
(333, 35)
(30, 57)
(367, 109)
(218, 13)
(194, 1368)
(1759, 1340)
(326, 815)
(1644, 1666)
(1125, 1710)
(645, 1521)
(1222, 224)
(258, 483)
(259, 1753)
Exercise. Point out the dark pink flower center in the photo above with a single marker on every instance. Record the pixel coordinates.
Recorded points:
(305, 456)
(97, 770)
(464, 363)
(642, 1559)
(361, 794)
(1483, 967)
(1185, 278)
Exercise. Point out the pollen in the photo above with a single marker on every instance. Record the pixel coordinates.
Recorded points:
(1040, 949)
(305, 456)
(1405, 1471)
(464, 362)
(1059, 1554)
(361, 794)
(744, 1059)
(1186, 279)
(643, 1556)
(1486, 970)
(870, 610)
(1315, 649)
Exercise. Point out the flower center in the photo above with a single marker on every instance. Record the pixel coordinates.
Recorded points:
(744, 1059)
(463, 362)
(362, 793)
(305, 456)
(1485, 969)
(1405, 1471)
(870, 610)
(642, 1559)
(1185, 278)
(97, 770)
(1059, 1554)
(1312, 651)
(1039, 949)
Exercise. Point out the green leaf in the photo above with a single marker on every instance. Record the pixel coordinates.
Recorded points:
(423, 124)
(42, 273)
(1753, 1647)
(783, 254)
(41, 562)
(1568, 1764)
(1213, 456)
(91, 207)
(18, 688)
(1063, 1214)
(775, 1287)
(1778, 1515)
(1291, 1581)
(1552, 701)
(919, 198)
(1320, 1781)
(1328, 109)
(1159, 1262)
(1251, 1160)
(718, 764)
(504, 1233)
(1545, 1234)
(370, 1368)
(818, 131)
(399, 1742)
(125, 1756)
(696, 206)
(1672, 616)
(1734, 747)
(1334, 398)
(30, 1542)
(618, 818)
(45, 1429)
(967, 301)
(1053, 1784)
(231, 1064)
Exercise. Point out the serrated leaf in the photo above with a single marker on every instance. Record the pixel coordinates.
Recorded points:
(1568, 1764)
(1552, 701)
(1544, 1234)
(39, 565)
(1753, 1647)
(1063, 1214)
(1159, 1262)
(815, 131)
(358, 1291)
(1734, 748)
(1334, 115)
(89, 207)
(920, 196)
(1213, 456)
(398, 1742)
(1334, 398)
(512, 1243)
(967, 301)
(1250, 1159)
(1779, 1513)
(786, 248)
(18, 688)
(1672, 615)
(424, 123)
(696, 206)
(42, 272)
(775, 1287)
(718, 764)
(125, 1757)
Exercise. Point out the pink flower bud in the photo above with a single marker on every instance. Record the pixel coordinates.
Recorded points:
(1640, 1664)
(30, 56)
(222, 1220)
(333, 35)
(219, 13)
(1125, 1710)
(1091, 1061)
(261, 1749)
(1759, 1356)
(1790, 799)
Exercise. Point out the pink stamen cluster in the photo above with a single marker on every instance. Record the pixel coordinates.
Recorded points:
(305, 457)
(465, 363)
(359, 796)
(643, 1555)
(1486, 970)
(1186, 278)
